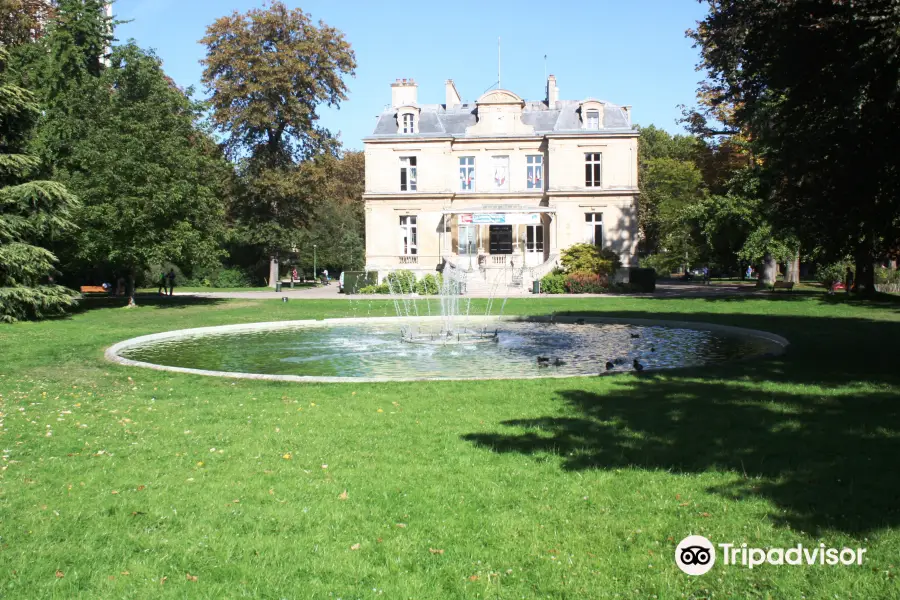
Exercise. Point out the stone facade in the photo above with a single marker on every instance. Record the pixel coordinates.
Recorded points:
(498, 183)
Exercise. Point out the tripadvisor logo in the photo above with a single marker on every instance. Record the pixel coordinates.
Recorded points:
(695, 555)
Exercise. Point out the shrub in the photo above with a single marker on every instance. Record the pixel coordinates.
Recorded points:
(429, 285)
(381, 288)
(642, 280)
(401, 282)
(886, 276)
(355, 280)
(588, 258)
(586, 283)
(833, 273)
(554, 283)
(231, 278)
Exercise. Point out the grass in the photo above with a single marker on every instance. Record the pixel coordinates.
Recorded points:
(122, 482)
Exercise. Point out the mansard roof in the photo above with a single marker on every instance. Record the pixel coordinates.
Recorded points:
(436, 120)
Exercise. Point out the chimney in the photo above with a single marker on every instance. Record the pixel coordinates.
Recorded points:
(453, 98)
(403, 92)
(552, 91)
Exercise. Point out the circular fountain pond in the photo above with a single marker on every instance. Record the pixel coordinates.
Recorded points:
(337, 350)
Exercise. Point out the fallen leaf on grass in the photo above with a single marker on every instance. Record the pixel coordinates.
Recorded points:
(163, 580)
(685, 504)
(59, 574)
(704, 514)
(401, 525)
(287, 456)
(191, 577)
(473, 578)
(344, 495)
(354, 547)
(114, 492)
(141, 488)
(125, 573)
(436, 550)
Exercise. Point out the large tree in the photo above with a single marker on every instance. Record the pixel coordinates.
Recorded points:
(32, 212)
(816, 83)
(22, 21)
(150, 179)
(268, 72)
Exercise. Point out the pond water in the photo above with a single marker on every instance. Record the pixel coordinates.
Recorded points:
(375, 350)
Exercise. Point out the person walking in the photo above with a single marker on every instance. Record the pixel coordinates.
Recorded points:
(163, 289)
(325, 275)
(706, 275)
(171, 278)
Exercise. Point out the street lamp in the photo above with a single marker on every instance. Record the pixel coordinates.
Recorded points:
(314, 263)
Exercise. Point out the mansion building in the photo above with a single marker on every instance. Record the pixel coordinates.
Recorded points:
(501, 184)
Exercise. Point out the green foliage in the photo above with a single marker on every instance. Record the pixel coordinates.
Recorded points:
(149, 178)
(583, 282)
(642, 280)
(834, 273)
(269, 71)
(887, 276)
(32, 213)
(430, 284)
(401, 282)
(354, 280)
(664, 263)
(554, 283)
(381, 288)
(824, 123)
(588, 258)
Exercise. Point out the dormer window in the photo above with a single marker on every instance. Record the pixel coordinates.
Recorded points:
(409, 123)
(591, 114)
(407, 120)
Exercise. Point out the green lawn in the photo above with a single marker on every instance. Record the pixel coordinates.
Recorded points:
(208, 290)
(129, 483)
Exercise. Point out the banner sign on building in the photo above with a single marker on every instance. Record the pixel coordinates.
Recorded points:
(500, 219)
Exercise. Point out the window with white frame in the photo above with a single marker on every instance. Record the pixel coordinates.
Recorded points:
(468, 242)
(407, 173)
(535, 166)
(534, 238)
(466, 173)
(592, 169)
(593, 229)
(409, 123)
(408, 241)
(501, 173)
(592, 121)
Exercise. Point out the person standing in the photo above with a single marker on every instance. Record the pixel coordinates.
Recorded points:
(325, 275)
(848, 280)
(163, 289)
(171, 278)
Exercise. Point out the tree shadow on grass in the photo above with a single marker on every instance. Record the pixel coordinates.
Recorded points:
(816, 432)
(90, 303)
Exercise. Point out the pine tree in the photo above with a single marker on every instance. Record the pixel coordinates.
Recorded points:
(31, 212)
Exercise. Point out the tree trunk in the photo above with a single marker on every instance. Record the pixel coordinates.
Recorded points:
(273, 272)
(792, 270)
(768, 273)
(131, 279)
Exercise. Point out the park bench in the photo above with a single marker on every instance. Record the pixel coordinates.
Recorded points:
(783, 285)
(93, 289)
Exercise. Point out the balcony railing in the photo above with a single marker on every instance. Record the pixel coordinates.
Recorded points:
(409, 259)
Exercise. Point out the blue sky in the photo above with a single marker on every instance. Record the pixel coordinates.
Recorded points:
(623, 51)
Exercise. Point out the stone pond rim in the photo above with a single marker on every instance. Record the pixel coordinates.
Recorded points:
(777, 343)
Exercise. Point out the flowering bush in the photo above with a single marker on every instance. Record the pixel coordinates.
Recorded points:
(586, 283)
